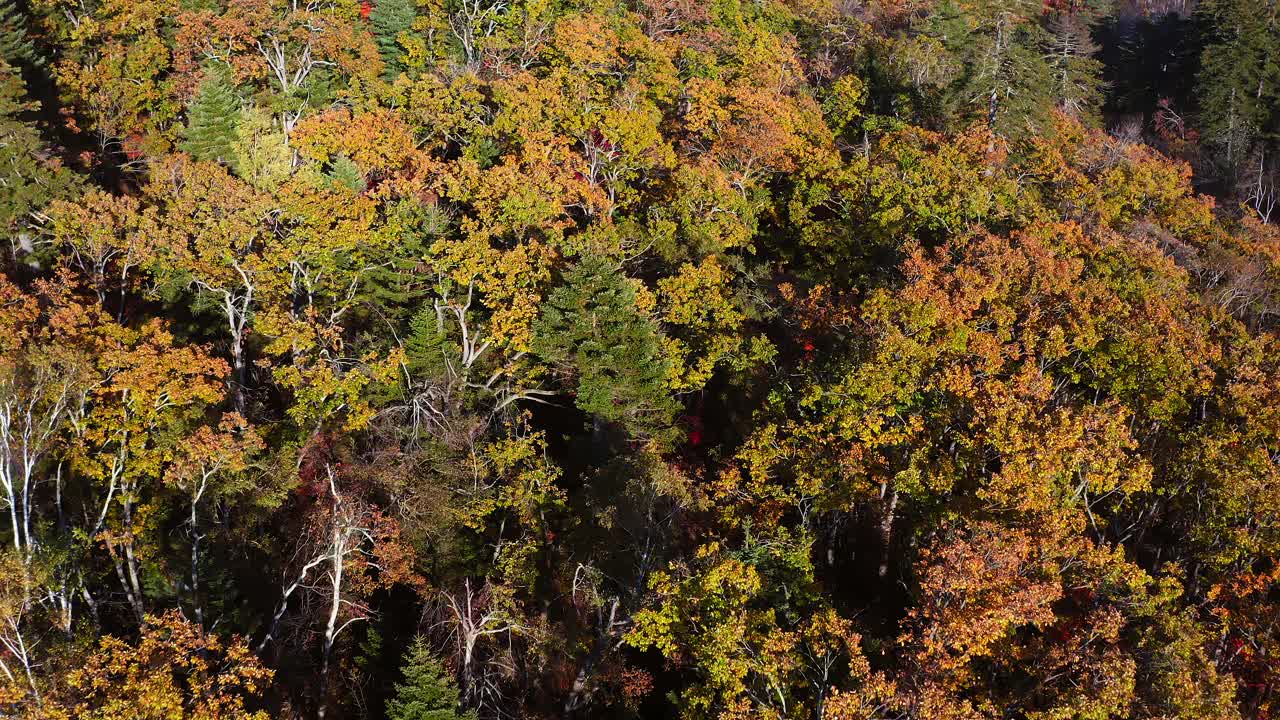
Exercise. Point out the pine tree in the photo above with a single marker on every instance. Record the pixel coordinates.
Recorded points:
(1240, 75)
(427, 693)
(15, 47)
(212, 117)
(29, 177)
(1006, 79)
(1077, 74)
(344, 172)
(390, 18)
(398, 286)
(592, 325)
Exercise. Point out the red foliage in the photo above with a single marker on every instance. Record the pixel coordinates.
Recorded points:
(636, 683)
(131, 145)
(695, 425)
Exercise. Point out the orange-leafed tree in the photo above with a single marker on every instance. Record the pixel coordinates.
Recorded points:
(174, 670)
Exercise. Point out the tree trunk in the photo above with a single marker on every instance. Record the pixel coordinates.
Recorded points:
(335, 604)
(598, 650)
(131, 562)
(238, 376)
(196, 604)
(886, 533)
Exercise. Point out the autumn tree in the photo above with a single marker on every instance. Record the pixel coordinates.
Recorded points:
(47, 377)
(211, 471)
(105, 239)
(152, 387)
(283, 55)
(114, 65)
(748, 359)
(175, 669)
(218, 250)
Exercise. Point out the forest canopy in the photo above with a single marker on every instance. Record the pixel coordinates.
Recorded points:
(706, 359)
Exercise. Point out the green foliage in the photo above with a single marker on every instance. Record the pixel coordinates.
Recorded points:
(1239, 88)
(389, 19)
(882, 345)
(428, 692)
(344, 173)
(29, 177)
(1078, 87)
(1005, 78)
(592, 327)
(16, 47)
(396, 285)
(427, 344)
(260, 152)
(212, 118)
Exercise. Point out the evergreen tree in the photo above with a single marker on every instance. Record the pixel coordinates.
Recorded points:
(592, 325)
(29, 178)
(1240, 74)
(390, 18)
(427, 693)
(1006, 79)
(397, 284)
(212, 118)
(344, 172)
(1077, 74)
(1147, 61)
(15, 46)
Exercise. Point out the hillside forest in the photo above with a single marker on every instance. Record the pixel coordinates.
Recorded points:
(648, 359)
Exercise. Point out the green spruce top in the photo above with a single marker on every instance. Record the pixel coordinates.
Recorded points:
(427, 693)
(212, 117)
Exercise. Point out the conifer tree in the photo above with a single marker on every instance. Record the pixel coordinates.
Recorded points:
(29, 177)
(1006, 78)
(345, 173)
(427, 693)
(592, 325)
(390, 18)
(1077, 74)
(1240, 74)
(212, 117)
(15, 47)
